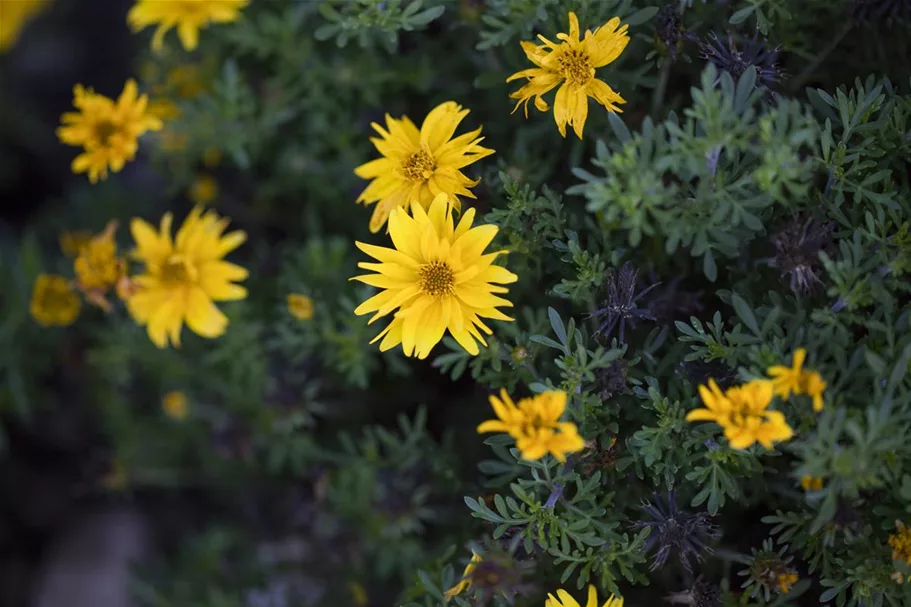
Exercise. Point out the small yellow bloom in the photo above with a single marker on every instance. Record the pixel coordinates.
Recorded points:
(535, 424)
(786, 580)
(419, 165)
(72, 242)
(188, 16)
(465, 582)
(53, 301)
(564, 599)
(174, 404)
(795, 380)
(358, 594)
(184, 276)
(204, 189)
(900, 542)
(743, 413)
(164, 109)
(14, 16)
(108, 131)
(811, 483)
(300, 306)
(437, 277)
(571, 64)
(814, 385)
(98, 268)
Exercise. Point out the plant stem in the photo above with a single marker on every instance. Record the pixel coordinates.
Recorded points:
(801, 79)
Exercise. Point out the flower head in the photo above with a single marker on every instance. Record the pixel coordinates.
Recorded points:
(811, 483)
(535, 424)
(188, 16)
(676, 531)
(300, 306)
(786, 580)
(735, 61)
(71, 243)
(437, 277)
(14, 16)
(571, 65)
(99, 268)
(564, 599)
(419, 165)
(203, 190)
(108, 131)
(900, 542)
(794, 379)
(184, 276)
(622, 304)
(742, 411)
(53, 301)
(174, 404)
(700, 594)
(797, 248)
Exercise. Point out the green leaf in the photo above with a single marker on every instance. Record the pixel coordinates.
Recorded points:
(745, 313)
(641, 16)
(742, 15)
(557, 325)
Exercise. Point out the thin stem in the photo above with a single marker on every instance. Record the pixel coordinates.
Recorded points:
(801, 79)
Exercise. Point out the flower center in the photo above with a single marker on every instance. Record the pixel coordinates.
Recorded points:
(576, 66)
(437, 278)
(419, 166)
(103, 132)
(176, 270)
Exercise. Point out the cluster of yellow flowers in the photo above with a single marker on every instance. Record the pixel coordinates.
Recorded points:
(742, 411)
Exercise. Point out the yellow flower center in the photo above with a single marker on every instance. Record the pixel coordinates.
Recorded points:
(103, 132)
(419, 166)
(576, 66)
(177, 270)
(437, 278)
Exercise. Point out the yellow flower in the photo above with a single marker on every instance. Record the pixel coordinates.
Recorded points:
(108, 131)
(204, 189)
(566, 600)
(184, 276)
(437, 277)
(900, 542)
(300, 306)
(72, 242)
(164, 109)
(786, 580)
(98, 268)
(14, 16)
(794, 379)
(743, 413)
(358, 594)
(811, 483)
(571, 64)
(535, 424)
(465, 581)
(53, 301)
(174, 404)
(188, 16)
(418, 165)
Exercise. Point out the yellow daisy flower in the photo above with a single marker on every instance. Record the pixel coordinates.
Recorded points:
(796, 380)
(188, 16)
(300, 306)
(418, 165)
(564, 599)
(571, 64)
(53, 301)
(437, 277)
(14, 16)
(108, 131)
(184, 276)
(535, 424)
(98, 268)
(464, 582)
(743, 413)
(174, 404)
(900, 542)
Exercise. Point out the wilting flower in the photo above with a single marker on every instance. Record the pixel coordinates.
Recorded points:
(174, 404)
(810, 483)
(900, 542)
(14, 16)
(571, 65)
(535, 425)
(797, 248)
(188, 16)
(669, 30)
(465, 581)
(203, 190)
(675, 531)
(300, 306)
(793, 379)
(185, 276)
(742, 411)
(419, 165)
(53, 301)
(621, 306)
(99, 268)
(109, 132)
(700, 594)
(564, 599)
(437, 277)
(735, 61)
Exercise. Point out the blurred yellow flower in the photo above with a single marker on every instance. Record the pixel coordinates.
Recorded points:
(535, 424)
(811, 483)
(53, 301)
(203, 190)
(900, 542)
(358, 594)
(184, 276)
(437, 277)
(564, 599)
(109, 132)
(742, 411)
(174, 404)
(300, 306)
(464, 582)
(188, 16)
(72, 242)
(796, 380)
(98, 268)
(786, 580)
(418, 165)
(14, 16)
(571, 65)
